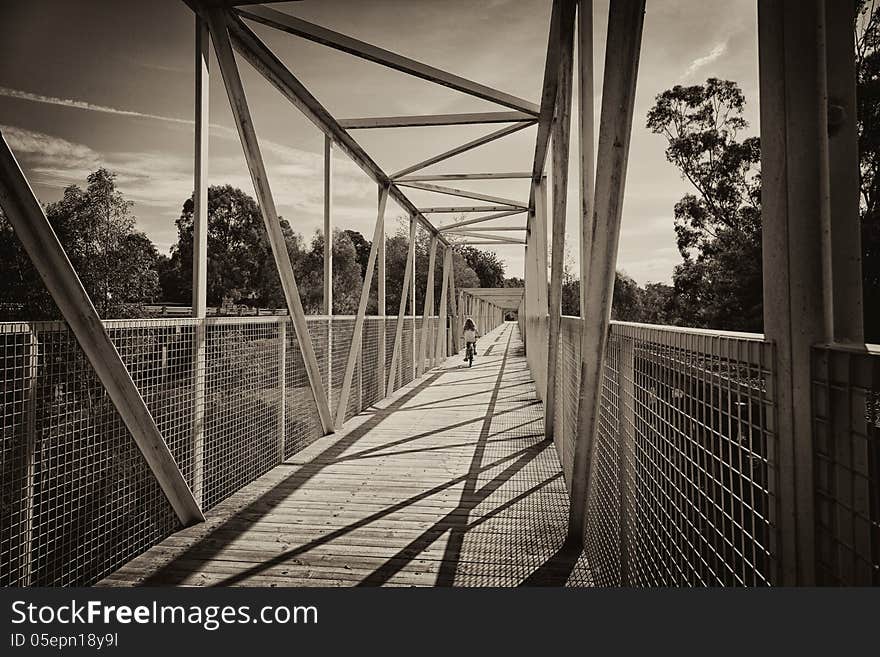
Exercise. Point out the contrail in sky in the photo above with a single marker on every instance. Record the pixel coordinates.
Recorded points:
(81, 104)
(220, 130)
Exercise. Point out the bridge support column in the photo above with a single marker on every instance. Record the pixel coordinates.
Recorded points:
(536, 286)
(528, 283)
(455, 323)
(586, 144)
(200, 251)
(623, 45)
(282, 381)
(380, 296)
(357, 335)
(414, 230)
(328, 226)
(426, 342)
(812, 291)
(560, 141)
(442, 352)
(401, 313)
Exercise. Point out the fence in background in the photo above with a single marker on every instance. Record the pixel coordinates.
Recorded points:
(77, 499)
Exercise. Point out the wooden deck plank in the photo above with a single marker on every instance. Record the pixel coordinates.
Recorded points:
(449, 481)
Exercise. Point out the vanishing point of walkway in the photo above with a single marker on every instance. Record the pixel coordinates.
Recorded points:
(447, 482)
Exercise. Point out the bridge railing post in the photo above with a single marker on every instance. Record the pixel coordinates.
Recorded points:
(282, 402)
(25, 465)
(626, 449)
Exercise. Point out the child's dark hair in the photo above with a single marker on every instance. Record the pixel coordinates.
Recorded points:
(469, 324)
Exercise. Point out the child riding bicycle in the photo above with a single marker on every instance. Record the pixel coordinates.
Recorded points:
(470, 337)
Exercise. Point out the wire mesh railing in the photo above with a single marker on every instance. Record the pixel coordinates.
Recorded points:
(683, 481)
(231, 396)
(846, 445)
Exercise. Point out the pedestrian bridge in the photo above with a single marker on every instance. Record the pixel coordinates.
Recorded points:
(290, 449)
(449, 481)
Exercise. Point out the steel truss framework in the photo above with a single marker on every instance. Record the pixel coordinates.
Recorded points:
(805, 58)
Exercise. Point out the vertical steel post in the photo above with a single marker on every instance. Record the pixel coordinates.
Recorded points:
(442, 347)
(328, 225)
(796, 226)
(426, 342)
(586, 143)
(528, 283)
(626, 452)
(540, 299)
(561, 137)
(26, 548)
(455, 323)
(282, 385)
(380, 298)
(413, 221)
(625, 22)
(200, 252)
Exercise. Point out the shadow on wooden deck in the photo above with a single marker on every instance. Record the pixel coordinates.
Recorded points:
(449, 482)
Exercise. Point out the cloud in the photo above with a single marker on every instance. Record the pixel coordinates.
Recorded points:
(705, 60)
(51, 161)
(80, 104)
(158, 181)
(46, 146)
(292, 162)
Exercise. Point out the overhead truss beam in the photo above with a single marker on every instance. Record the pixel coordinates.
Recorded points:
(464, 148)
(463, 193)
(499, 238)
(428, 177)
(492, 243)
(275, 72)
(461, 231)
(318, 34)
(428, 120)
(447, 209)
(479, 220)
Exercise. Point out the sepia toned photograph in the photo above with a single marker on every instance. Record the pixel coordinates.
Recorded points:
(439, 293)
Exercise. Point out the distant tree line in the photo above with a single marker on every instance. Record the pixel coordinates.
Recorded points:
(125, 273)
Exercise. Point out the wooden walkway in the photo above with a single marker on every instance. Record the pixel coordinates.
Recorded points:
(447, 482)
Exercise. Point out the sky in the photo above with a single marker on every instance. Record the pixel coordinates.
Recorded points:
(110, 83)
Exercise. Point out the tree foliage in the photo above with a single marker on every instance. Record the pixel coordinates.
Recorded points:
(630, 303)
(396, 253)
(115, 262)
(347, 275)
(241, 267)
(485, 264)
(718, 227)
